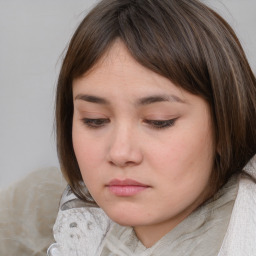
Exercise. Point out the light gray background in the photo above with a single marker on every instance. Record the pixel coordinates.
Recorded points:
(33, 34)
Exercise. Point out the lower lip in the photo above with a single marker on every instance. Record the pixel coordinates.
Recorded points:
(126, 190)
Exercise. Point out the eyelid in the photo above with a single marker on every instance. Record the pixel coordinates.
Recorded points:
(160, 116)
(95, 123)
(160, 123)
(92, 114)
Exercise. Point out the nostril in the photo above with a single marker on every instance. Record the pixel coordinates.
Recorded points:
(111, 163)
(123, 163)
(124, 151)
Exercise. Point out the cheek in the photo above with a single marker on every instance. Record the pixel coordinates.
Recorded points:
(183, 156)
(88, 153)
(183, 169)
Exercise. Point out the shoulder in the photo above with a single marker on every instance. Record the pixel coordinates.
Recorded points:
(79, 229)
(241, 233)
(250, 168)
(247, 184)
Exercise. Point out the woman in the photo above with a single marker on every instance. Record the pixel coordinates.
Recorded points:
(156, 117)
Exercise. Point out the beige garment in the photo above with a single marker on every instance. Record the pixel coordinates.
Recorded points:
(239, 236)
(201, 233)
(28, 210)
(240, 239)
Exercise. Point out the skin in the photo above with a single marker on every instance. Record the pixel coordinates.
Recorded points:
(115, 136)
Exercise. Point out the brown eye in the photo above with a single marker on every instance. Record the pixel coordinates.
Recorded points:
(95, 123)
(161, 124)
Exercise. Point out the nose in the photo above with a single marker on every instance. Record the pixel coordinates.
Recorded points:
(124, 149)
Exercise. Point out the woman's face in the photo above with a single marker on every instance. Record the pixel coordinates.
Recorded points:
(144, 146)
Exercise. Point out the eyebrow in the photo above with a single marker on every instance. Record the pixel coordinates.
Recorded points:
(143, 101)
(92, 99)
(159, 98)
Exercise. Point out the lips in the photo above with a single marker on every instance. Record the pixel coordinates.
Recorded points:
(126, 187)
(126, 182)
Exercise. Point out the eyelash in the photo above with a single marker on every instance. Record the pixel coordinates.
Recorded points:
(161, 124)
(155, 124)
(95, 123)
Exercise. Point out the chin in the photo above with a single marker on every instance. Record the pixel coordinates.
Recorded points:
(126, 219)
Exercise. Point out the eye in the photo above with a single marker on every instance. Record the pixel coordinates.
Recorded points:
(95, 123)
(161, 124)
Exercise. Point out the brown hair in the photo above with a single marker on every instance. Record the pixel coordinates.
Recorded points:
(184, 41)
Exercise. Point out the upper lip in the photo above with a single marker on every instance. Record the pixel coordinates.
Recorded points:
(126, 182)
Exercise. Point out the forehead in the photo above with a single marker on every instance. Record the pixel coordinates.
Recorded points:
(116, 60)
(118, 71)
